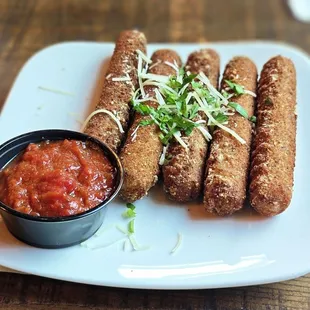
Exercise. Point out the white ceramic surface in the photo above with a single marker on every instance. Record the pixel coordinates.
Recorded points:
(244, 249)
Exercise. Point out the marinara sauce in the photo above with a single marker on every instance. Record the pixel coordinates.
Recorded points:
(57, 178)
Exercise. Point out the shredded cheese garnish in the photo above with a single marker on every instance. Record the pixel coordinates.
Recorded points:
(205, 133)
(56, 91)
(121, 229)
(135, 131)
(249, 93)
(159, 97)
(140, 71)
(177, 136)
(180, 98)
(163, 155)
(155, 64)
(183, 89)
(159, 85)
(144, 57)
(203, 78)
(121, 79)
(115, 119)
(135, 245)
(178, 244)
(173, 66)
(155, 77)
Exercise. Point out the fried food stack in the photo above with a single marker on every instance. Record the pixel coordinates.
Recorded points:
(222, 172)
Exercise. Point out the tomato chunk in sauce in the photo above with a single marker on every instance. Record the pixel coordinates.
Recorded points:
(57, 178)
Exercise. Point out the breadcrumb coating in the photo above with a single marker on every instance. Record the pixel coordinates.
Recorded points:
(184, 173)
(116, 95)
(274, 147)
(228, 163)
(143, 148)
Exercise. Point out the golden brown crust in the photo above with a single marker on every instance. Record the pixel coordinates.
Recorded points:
(183, 174)
(116, 96)
(273, 155)
(228, 163)
(141, 152)
(206, 61)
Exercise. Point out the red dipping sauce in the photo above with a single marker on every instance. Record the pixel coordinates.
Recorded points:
(57, 178)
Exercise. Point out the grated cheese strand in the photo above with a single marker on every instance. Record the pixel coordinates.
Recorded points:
(122, 79)
(160, 85)
(173, 66)
(202, 102)
(155, 64)
(205, 133)
(183, 89)
(203, 78)
(250, 93)
(155, 77)
(139, 77)
(159, 97)
(144, 57)
(135, 245)
(177, 136)
(56, 91)
(115, 119)
(163, 155)
(178, 244)
(121, 229)
(135, 131)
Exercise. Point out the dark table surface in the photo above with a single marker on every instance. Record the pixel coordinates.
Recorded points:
(27, 26)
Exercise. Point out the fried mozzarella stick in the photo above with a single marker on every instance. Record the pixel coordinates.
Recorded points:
(119, 85)
(183, 174)
(273, 155)
(142, 150)
(229, 160)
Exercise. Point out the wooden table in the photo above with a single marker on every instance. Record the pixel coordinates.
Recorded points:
(26, 26)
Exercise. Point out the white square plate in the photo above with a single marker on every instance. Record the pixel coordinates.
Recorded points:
(243, 249)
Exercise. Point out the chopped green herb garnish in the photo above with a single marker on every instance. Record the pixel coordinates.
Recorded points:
(252, 119)
(189, 79)
(236, 88)
(131, 226)
(239, 109)
(130, 206)
(167, 159)
(185, 101)
(221, 118)
(130, 212)
(146, 122)
(268, 101)
(225, 93)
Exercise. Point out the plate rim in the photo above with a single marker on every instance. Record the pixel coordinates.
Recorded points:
(152, 285)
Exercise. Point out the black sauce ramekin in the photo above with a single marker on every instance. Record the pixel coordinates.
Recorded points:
(55, 232)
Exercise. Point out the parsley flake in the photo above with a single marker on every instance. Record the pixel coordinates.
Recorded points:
(252, 119)
(236, 88)
(239, 109)
(268, 101)
(130, 212)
